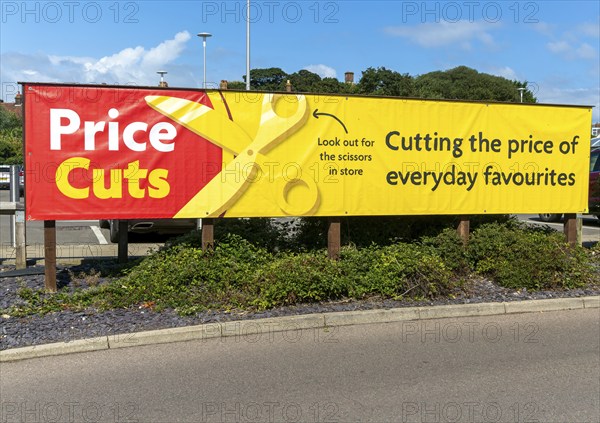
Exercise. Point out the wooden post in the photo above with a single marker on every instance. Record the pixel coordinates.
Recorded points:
(50, 255)
(571, 229)
(21, 245)
(334, 241)
(208, 234)
(463, 229)
(123, 245)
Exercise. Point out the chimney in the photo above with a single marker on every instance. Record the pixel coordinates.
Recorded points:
(349, 77)
(223, 85)
(18, 99)
(288, 86)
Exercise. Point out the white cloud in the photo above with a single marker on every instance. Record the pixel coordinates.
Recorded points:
(505, 72)
(559, 47)
(544, 28)
(586, 51)
(166, 51)
(575, 43)
(323, 71)
(584, 96)
(590, 29)
(132, 65)
(461, 33)
(571, 52)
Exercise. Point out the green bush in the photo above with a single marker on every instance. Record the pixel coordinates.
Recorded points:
(240, 275)
(531, 258)
(449, 246)
(297, 278)
(395, 271)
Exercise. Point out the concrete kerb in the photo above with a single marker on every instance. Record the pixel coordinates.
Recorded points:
(58, 348)
(347, 318)
(531, 306)
(462, 310)
(270, 325)
(591, 302)
(243, 328)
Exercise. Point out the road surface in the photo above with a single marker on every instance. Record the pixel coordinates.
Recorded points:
(539, 367)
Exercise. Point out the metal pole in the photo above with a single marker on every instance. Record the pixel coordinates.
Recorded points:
(14, 197)
(204, 49)
(204, 36)
(248, 45)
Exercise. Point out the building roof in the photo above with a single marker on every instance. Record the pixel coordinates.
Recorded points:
(13, 108)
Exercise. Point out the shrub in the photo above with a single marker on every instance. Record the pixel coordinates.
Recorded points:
(395, 271)
(449, 246)
(180, 275)
(529, 258)
(296, 278)
(239, 274)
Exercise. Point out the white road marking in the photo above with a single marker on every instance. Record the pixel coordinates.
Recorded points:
(96, 230)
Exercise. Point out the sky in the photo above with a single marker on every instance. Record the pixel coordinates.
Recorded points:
(552, 45)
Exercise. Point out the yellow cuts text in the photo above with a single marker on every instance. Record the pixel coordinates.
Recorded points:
(131, 181)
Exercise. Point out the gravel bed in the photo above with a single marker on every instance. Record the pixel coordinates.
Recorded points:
(67, 325)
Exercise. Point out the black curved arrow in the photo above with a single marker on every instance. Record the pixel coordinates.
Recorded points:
(316, 115)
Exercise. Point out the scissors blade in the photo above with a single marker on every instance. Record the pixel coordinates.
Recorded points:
(202, 120)
(234, 179)
(224, 189)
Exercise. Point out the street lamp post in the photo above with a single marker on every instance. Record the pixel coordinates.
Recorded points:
(206, 226)
(521, 92)
(204, 36)
(248, 45)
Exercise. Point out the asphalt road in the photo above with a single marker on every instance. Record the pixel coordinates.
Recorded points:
(542, 367)
(84, 232)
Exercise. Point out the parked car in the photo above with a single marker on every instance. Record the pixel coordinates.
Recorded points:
(5, 177)
(144, 226)
(595, 143)
(594, 201)
(594, 190)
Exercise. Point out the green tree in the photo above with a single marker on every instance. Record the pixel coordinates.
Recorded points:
(271, 79)
(382, 81)
(11, 137)
(464, 83)
(305, 81)
(333, 86)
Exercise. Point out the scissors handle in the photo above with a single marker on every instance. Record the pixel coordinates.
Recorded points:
(275, 128)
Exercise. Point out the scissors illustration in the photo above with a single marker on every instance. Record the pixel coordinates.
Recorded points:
(250, 153)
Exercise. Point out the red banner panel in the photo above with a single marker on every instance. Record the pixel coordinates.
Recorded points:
(103, 152)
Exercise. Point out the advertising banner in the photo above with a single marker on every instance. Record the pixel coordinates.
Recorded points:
(124, 152)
